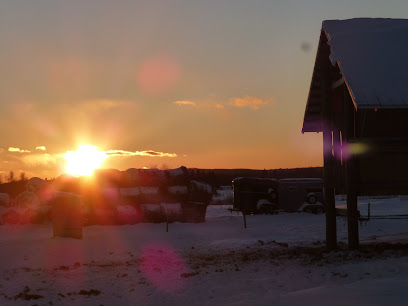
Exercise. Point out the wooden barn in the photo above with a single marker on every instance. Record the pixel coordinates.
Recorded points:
(358, 98)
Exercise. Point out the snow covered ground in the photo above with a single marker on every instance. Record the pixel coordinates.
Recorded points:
(278, 260)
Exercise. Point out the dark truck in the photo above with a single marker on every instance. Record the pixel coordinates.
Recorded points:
(267, 195)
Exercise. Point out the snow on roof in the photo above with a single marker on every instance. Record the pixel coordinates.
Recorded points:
(371, 53)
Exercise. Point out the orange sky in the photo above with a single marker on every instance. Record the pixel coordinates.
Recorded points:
(194, 83)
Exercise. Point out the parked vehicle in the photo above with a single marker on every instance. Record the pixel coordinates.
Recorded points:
(254, 195)
(265, 195)
(301, 194)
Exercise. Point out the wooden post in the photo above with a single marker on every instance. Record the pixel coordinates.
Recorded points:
(330, 205)
(325, 68)
(167, 217)
(352, 212)
(352, 179)
(243, 213)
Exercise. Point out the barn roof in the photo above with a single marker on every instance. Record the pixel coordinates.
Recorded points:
(371, 54)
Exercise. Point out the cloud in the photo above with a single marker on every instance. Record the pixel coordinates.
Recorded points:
(41, 159)
(185, 102)
(215, 103)
(104, 104)
(12, 149)
(251, 102)
(139, 153)
(41, 148)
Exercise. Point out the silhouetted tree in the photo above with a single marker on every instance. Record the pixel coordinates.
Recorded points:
(164, 167)
(11, 177)
(23, 177)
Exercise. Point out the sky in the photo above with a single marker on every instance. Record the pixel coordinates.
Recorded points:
(204, 84)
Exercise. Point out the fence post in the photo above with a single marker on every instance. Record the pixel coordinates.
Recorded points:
(245, 224)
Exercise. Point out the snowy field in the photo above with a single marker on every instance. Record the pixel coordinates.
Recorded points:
(278, 260)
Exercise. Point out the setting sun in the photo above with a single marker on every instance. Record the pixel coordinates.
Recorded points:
(84, 160)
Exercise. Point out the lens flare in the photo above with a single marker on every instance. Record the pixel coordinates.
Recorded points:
(84, 160)
(163, 267)
(158, 74)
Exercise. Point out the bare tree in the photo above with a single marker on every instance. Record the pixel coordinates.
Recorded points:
(164, 167)
(11, 177)
(23, 176)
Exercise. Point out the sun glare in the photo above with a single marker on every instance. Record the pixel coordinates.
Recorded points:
(84, 160)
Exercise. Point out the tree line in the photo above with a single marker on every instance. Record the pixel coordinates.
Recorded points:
(15, 184)
(11, 177)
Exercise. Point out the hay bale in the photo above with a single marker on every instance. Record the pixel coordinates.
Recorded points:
(194, 212)
(4, 199)
(27, 199)
(152, 213)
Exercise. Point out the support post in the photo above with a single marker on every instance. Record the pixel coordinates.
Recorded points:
(352, 179)
(327, 113)
(243, 213)
(329, 193)
(352, 211)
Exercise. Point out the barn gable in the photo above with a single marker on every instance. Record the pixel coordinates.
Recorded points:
(368, 55)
